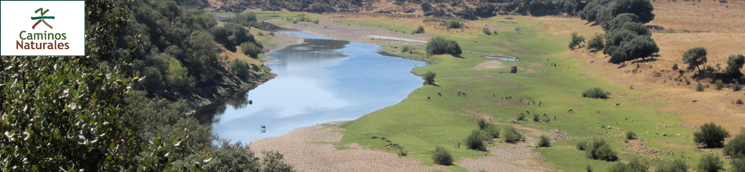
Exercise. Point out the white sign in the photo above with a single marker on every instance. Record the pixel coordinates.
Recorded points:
(42, 28)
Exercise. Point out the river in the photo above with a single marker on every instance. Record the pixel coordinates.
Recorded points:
(318, 81)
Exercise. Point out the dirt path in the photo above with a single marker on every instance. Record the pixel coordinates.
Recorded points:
(307, 149)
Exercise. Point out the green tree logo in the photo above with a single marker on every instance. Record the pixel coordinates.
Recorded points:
(41, 18)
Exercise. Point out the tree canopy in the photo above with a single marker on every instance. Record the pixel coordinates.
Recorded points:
(695, 57)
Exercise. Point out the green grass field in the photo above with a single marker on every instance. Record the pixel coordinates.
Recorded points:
(418, 124)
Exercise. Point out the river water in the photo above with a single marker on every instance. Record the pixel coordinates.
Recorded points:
(318, 81)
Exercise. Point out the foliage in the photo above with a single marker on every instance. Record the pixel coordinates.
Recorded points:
(734, 64)
(737, 87)
(520, 116)
(589, 168)
(736, 146)
(439, 45)
(641, 8)
(738, 164)
(676, 166)
(544, 141)
(739, 101)
(177, 75)
(710, 135)
(272, 162)
(583, 145)
(576, 41)
(442, 156)
(596, 93)
(619, 21)
(453, 24)
(429, 78)
(632, 166)
(536, 118)
(231, 35)
(719, 83)
(482, 124)
(710, 163)
(250, 49)
(246, 19)
(405, 48)
(511, 135)
(675, 66)
(240, 68)
(699, 87)
(598, 149)
(695, 57)
(486, 31)
(625, 45)
(630, 135)
(419, 30)
(475, 141)
(491, 132)
(596, 43)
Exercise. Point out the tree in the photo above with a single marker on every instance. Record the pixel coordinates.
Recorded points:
(247, 19)
(695, 57)
(711, 135)
(251, 49)
(475, 141)
(738, 164)
(442, 156)
(734, 64)
(625, 45)
(511, 135)
(486, 31)
(596, 43)
(641, 8)
(418, 30)
(454, 24)
(544, 141)
(429, 78)
(630, 135)
(620, 20)
(710, 163)
(576, 41)
(240, 68)
(439, 45)
(596, 93)
(272, 162)
(736, 146)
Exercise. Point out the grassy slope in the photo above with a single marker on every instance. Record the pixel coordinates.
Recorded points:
(418, 125)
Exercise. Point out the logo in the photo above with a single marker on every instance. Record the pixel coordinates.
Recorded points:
(41, 18)
(57, 28)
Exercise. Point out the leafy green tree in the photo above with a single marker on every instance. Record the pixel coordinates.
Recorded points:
(454, 24)
(203, 62)
(576, 41)
(429, 78)
(620, 20)
(442, 156)
(596, 43)
(439, 45)
(418, 30)
(511, 135)
(734, 64)
(738, 164)
(641, 8)
(676, 166)
(736, 146)
(153, 81)
(251, 49)
(177, 75)
(247, 19)
(711, 135)
(598, 149)
(475, 141)
(596, 93)
(624, 45)
(272, 162)
(544, 141)
(710, 163)
(695, 57)
(630, 135)
(240, 68)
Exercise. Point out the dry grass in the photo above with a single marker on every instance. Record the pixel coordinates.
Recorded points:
(706, 16)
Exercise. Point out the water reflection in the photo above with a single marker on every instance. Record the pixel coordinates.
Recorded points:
(318, 81)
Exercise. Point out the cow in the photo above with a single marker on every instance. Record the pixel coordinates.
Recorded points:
(694, 101)
(554, 117)
(540, 103)
(458, 93)
(544, 114)
(527, 111)
(464, 93)
(618, 104)
(572, 110)
(428, 98)
(494, 95)
(598, 111)
(533, 102)
(439, 94)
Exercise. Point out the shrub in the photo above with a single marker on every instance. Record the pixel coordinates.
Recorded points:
(722, 1)
(589, 168)
(598, 149)
(482, 124)
(576, 41)
(491, 132)
(677, 166)
(316, 21)
(251, 49)
(273, 162)
(630, 135)
(536, 117)
(429, 78)
(739, 101)
(738, 164)
(699, 87)
(675, 66)
(521, 117)
(632, 166)
(583, 145)
(405, 48)
(719, 84)
(734, 64)
(475, 141)
(596, 93)
(596, 42)
(442, 156)
(711, 135)
(736, 146)
(454, 24)
(441, 45)
(239, 68)
(710, 163)
(495, 32)
(487, 31)
(737, 87)
(511, 135)
(245, 19)
(545, 141)
(418, 30)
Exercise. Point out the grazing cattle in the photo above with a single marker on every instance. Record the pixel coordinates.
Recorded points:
(554, 117)
(627, 119)
(428, 98)
(618, 104)
(494, 95)
(617, 123)
(540, 103)
(439, 94)
(598, 112)
(533, 102)
(544, 114)
(502, 97)
(464, 93)
(458, 93)
(572, 110)
(631, 87)
(694, 101)
(527, 111)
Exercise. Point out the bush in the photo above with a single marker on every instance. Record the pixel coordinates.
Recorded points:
(405, 48)
(245, 19)
(316, 21)
(240, 68)
(491, 132)
(630, 135)
(487, 31)
(710, 163)
(596, 93)
(711, 135)
(536, 117)
(482, 124)
(583, 145)
(273, 162)
(475, 141)
(589, 168)
(521, 117)
(545, 141)
(596, 42)
(632, 166)
(738, 164)
(699, 87)
(598, 149)
(442, 156)
(736, 146)
(734, 64)
(719, 84)
(250, 49)
(495, 32)
(511, 135)
(418, 30)
(454, 24)
(739, 101)
(576, 41)
(722, 1)
(737, 87)
(677, 166)
(441, 45)
(675, 66)
(429, 78)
